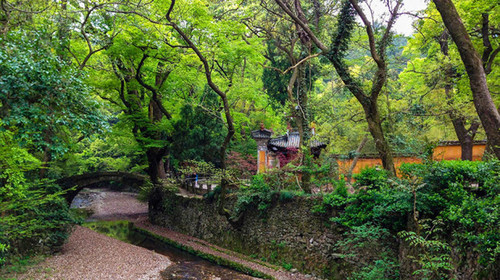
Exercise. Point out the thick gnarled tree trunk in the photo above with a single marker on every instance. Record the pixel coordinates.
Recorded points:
(375, 128)
(465, 136)
(134, 102)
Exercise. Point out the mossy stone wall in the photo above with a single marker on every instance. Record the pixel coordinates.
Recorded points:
(288, 233)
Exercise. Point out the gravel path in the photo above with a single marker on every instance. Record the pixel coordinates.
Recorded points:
(109, 206)
(90, 255)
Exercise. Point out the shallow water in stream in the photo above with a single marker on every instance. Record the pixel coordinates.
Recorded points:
(184, 265)
(187, 266)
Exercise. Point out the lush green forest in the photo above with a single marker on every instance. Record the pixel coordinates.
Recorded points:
(166, 88)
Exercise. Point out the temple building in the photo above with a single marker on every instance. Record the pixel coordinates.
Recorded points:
(270, 151)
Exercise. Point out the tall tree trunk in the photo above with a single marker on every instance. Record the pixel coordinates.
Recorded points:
(300, 113)
(375, 127)
(465, 136)
(488, 113)
(156, 154)
(133, 103)
(467, 146)
(302, 88)
(156, 112)
(298, 107)
(152, 166)
(227, 110)
(63, 32)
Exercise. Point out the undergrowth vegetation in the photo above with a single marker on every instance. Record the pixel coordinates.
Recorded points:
(445, 213)
(34, 215)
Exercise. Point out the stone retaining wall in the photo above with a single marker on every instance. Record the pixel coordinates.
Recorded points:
(288, 233)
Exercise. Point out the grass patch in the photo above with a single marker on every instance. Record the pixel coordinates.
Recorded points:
(251, 258)
(116, 229)
(80, 214)
(19, 265)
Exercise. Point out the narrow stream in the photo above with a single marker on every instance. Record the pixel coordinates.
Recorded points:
(184, 265)
(188, 266)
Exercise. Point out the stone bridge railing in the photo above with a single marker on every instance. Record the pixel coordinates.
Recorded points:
(90, 179)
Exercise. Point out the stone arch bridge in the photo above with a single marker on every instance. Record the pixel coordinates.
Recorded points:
(91, 179)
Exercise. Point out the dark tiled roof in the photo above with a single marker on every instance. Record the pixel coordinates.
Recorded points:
(292, 140)
(373, 155)
(262, 134)
(457, 143)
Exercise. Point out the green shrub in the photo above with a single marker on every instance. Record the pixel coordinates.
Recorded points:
(3, 253)
(145, 191)
(372, 177)
(437, 208)
(367, 248)
(35, 216)
(258, 184)
(433, 258)
(36, 221)
(464, 196)
(258, 194)
(335, 199)
(287, 266)
(287, 196)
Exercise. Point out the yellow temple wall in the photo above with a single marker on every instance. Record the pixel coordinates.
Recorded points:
(450, 152)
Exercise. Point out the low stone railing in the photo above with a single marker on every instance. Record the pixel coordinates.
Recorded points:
(207, 184)
(200, 186)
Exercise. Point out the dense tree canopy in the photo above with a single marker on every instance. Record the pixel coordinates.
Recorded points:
(155, 86)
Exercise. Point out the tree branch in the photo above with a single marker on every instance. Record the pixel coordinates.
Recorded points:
(486, 39)
(108, 99)
(150, 88)
(302, 61)
(369, 32)
(304, 26)
(488, 69)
